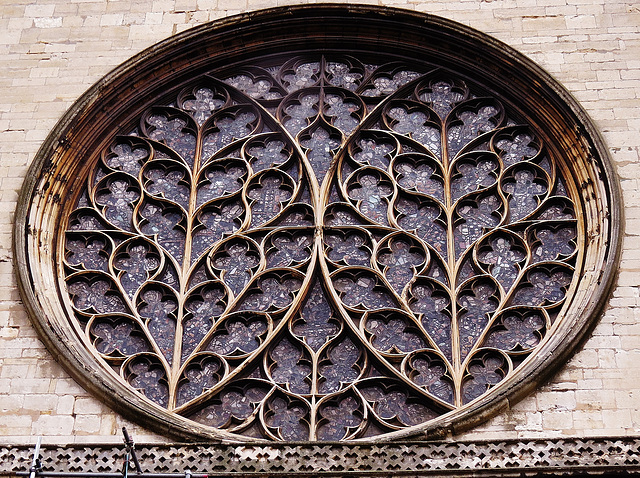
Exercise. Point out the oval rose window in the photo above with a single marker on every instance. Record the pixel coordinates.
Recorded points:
(286, 227)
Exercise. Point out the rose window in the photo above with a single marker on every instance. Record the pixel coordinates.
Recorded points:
(322, 245)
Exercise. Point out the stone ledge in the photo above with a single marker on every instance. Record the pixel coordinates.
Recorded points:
(572, 457)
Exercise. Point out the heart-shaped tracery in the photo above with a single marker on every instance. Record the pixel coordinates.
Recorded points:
(321, 249)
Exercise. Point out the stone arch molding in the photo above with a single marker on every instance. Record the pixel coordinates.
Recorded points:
(318, 223)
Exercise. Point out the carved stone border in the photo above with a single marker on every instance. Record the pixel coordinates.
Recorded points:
(571, 457)
(115, 99)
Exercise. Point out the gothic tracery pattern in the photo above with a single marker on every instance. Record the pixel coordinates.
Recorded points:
(321, 248)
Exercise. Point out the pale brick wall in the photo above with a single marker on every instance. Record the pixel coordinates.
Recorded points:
(51, 51)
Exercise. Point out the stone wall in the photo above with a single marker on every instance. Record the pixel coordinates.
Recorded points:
(51, 51)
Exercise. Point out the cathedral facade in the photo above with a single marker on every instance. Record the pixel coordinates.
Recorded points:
(510, 340)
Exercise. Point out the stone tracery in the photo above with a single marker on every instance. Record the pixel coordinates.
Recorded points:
(437, 259)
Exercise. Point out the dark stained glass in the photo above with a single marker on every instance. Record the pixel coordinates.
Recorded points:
(268, 197)
(442, 96)
(330, 249)
(291, 367)
(477, 304)
(168, 183)
(431, 372)
(516, 149)
(174, 133)
(543, 287)
(160, 309)
(523, 193)
(317, 323)
(384, 83)
(340, 367)
(476, 219)
(231, 407)
(393, 334)
(289, 249)
(341, 215)
(164, 224)
(394, 405)
(288, 418)
(300, 76)
(374, 152)
(299, 114)
(239, 335)
(216, 221)
(258, 88)
(343, 75)
(97, 294)
(553, 245)
(401, 260)
(147, 375)
(266, 155)
(88, 254)
(118, 337)
(228, 128)
(418, 174)
(431, 304)
(473, 175)
(124, 157)
(362, 289)
(272, 293)
(503, 256)
(221, 179)
(321, 145)
(517, 332)
(201, 374)
(556, 210)
(118, 197)
(202, 103)
(339, 418)
(87, 220)
(416, 125)
(351, 248)
(237, 260)
(484, 372)
(136, 263)
(371, 193)
(473, 120)
(203, 308)
(424, 220)
(342, 112)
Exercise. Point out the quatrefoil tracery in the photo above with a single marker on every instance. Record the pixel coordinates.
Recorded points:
(321, 249)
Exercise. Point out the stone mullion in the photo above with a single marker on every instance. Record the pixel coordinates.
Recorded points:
(451, 265)
(176, 366)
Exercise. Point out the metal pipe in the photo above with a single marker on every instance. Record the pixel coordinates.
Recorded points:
(131, 450)
(35, 463)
